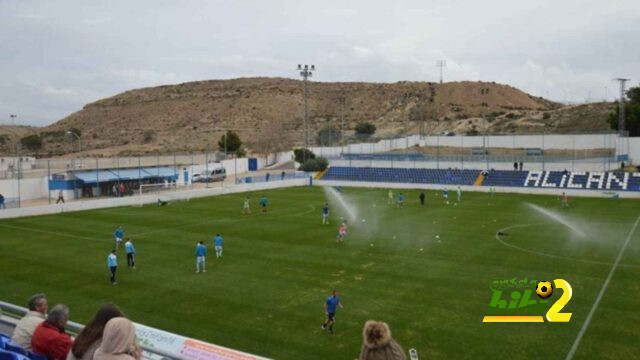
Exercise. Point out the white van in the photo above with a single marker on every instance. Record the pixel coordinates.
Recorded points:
(216, 172)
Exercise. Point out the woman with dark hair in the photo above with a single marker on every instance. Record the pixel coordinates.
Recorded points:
(89, 339)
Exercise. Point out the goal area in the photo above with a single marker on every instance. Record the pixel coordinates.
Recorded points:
(163, 192)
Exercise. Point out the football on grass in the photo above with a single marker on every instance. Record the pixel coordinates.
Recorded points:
(544, 289)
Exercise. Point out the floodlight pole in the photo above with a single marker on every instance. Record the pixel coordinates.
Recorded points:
(342, 100)
(77, 137)
(441, 64)
(15, 142)
(621, 119)
(306, 72)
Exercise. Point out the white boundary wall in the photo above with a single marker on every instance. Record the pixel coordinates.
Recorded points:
(552, 141)
(499, 189)
(146, 199)
(30, 188)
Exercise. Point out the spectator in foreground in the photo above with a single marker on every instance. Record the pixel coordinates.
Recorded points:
(49, 338)
(378, 344)
(118, 341)
(90, 338)
(27, 325)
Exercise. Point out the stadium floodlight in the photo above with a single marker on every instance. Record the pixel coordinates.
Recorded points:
(305, 72)
(74, 134)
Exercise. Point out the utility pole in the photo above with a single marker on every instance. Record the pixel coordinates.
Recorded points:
(422, 122)
(342, 100)
(441, 64)
(406, 122)
(306, 72)
(621, 124)
(15, 142)
(621, 119)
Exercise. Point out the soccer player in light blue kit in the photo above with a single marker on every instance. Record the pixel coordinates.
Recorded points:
(131, 253)
(400, 199)
(263, 203)
(112, 264)
(330, 310)
(118, 234)
(201, 254)
(217, 243)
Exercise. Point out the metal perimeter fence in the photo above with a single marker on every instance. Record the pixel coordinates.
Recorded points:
(26, 178)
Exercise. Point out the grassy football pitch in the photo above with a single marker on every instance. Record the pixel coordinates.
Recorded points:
(426, 271)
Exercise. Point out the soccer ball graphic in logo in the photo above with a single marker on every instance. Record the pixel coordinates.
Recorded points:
(544, 289)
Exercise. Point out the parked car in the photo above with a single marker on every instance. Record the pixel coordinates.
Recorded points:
(217, 174)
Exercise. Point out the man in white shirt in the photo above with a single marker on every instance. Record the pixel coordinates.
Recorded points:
(27, 325)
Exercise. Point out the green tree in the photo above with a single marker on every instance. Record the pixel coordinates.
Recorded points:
(233, 143)
(317, 164)
(365, 129)
(631, 113)
(329, 135)
(32, 142)
(302, 155)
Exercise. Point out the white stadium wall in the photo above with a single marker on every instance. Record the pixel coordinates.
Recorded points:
(29, 188)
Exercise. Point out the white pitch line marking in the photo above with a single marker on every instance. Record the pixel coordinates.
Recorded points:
(540, 253)
(576, 343)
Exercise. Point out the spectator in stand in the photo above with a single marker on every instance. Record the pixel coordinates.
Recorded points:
(266, 177)
(114, 189)
(49, 338)
(282, 175)
(118, 341)
(27, 325)
(122, 189)
(521, 165)
(378, 344)
(515, 166)
(90, 338)
(2, 206)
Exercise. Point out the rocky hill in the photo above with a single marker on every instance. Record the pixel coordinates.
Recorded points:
(268, 112)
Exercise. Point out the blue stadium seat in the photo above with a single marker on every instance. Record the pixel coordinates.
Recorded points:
(33, 356)
(4, 338)
(15, 348)
(6, 355)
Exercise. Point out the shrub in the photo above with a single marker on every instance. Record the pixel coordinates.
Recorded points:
(148, 136)
(317, 164)
(32, 142)
(365, 129)
(303, 154)
(329, 135)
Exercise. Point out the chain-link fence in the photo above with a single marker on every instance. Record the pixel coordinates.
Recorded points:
(595, 152)
(31, 181)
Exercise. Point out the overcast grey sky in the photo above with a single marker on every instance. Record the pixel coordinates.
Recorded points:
(56, 56)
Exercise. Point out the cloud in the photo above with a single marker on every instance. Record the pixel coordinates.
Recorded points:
(67, 53)
(51, 90)
(564, 83)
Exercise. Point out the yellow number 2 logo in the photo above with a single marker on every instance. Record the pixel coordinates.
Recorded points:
(554, 314)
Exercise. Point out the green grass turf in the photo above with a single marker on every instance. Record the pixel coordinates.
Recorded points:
(266, 295)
